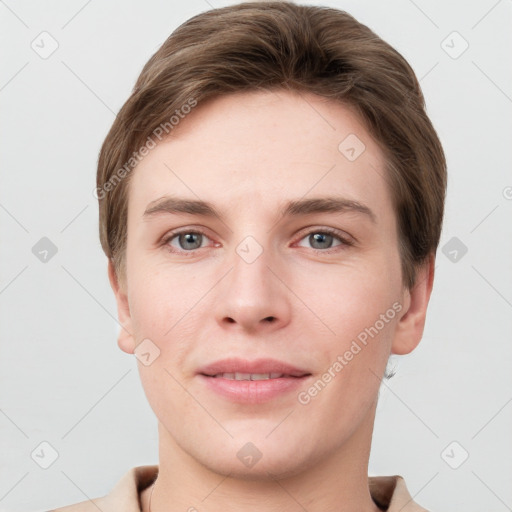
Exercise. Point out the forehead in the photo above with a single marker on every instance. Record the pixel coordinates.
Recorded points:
(256, 150)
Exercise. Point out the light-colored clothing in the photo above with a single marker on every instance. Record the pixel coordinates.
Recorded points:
(388, 492)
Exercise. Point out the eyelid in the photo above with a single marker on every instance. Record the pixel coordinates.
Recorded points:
(345, 238)
(170, 235)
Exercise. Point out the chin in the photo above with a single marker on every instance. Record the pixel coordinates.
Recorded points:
(274, 468)
(261, 460)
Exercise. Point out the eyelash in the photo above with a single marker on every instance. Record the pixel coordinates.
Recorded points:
(345, 241)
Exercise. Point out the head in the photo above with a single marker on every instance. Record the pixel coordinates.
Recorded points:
(264, 110)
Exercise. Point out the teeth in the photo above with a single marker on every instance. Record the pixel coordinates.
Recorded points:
(250, 376)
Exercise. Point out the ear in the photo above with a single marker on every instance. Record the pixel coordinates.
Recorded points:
(125, 339)
(409, 329)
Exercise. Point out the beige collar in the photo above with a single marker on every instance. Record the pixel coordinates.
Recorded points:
(389, 493)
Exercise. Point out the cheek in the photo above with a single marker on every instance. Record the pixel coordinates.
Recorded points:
(167, 306)
(359, 308)
(363, 312)
(348, 299)
(161, 308)
(157, 293)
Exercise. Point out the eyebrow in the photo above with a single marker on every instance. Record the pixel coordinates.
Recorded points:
(296, 208)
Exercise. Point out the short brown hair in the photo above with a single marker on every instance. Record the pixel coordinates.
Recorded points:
(268, 45)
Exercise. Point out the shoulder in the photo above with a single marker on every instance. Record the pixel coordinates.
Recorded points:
(391, 494)
(125, 494)
(84, 506)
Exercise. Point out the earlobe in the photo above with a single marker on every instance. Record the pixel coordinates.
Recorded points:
(409, 329)
(125, 339)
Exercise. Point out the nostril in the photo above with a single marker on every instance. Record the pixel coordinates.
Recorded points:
(270, 318)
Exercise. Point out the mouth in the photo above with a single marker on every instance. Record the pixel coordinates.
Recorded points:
(255, 376)
(252, 382)
(243, 369)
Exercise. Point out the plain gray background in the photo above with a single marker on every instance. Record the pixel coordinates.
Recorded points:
(64, 381)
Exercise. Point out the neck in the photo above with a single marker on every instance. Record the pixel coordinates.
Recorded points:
(337, 482)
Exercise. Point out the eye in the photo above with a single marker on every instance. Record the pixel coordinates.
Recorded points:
(322, 239)
(184, 241)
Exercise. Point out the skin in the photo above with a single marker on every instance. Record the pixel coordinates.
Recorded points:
(249, 153)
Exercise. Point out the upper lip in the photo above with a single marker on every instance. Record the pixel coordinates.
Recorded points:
(237, 365)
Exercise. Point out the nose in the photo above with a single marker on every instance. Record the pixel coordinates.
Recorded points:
(253, 296)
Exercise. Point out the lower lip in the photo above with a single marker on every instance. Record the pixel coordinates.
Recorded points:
(253, 391)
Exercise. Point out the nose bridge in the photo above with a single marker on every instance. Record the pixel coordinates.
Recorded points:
(251, 273)
(252, 294)
(252, 244)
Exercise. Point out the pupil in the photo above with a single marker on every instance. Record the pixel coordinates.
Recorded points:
(320, 237)
(188, 238)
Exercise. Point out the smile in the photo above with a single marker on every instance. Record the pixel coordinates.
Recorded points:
(250, 376)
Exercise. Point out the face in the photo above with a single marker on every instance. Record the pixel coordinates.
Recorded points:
(293, 258)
